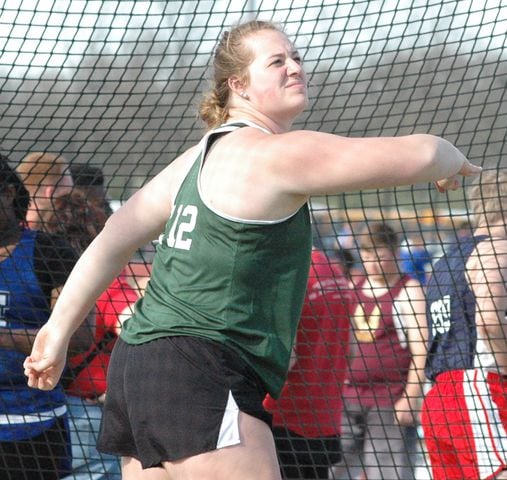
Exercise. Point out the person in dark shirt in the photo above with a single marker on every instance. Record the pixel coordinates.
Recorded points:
(464, 415)
(307, 415)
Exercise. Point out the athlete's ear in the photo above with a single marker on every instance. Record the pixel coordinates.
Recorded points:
(236, 84)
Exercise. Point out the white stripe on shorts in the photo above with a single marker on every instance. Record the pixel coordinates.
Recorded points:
(229, 430)
(489, 433)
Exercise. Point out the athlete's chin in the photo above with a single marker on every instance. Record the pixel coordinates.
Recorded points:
(300, 105)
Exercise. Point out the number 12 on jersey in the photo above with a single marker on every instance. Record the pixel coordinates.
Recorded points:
(183, 224)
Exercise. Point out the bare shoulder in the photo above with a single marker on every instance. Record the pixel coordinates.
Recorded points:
(238, 177)
(487, 266)
(491, 253)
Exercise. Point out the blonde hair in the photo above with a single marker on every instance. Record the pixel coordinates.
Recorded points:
(41, 169)
(232, 57)
(487, 198)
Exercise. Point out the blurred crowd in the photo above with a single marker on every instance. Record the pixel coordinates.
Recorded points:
(349, 409)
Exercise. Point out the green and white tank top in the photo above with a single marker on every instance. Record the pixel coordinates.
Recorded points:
(238, 282)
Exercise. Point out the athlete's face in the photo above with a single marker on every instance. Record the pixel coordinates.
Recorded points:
(277, 84)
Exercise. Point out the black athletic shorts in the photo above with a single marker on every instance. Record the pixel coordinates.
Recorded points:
(176, 397)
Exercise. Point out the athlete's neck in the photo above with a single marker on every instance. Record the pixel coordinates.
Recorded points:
(274, 126)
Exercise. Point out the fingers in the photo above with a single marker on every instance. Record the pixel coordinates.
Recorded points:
(468, 169)
(40, 374)
(41, 381)
(451, 183)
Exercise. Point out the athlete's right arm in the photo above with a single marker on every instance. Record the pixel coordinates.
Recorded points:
(316, 163)
(139, 221)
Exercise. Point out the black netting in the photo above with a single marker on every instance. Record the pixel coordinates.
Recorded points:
(115, 85)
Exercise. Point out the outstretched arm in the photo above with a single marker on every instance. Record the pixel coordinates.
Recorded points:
(318, 163)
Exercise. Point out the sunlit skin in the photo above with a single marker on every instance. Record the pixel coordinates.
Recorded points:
(276, 92)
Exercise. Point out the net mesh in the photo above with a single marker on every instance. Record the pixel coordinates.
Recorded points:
(115, 85)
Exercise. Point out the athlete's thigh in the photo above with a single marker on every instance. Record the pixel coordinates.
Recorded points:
(131, 469)
(253, 459)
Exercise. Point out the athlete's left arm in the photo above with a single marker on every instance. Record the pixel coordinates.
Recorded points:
(487, 276)
(412, 306)
(138, 221)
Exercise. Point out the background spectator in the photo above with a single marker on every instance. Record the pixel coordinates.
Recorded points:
(307, 416)
(46, 176)
(34, 441)
(464, 414)
(384, 382)
(90, 181)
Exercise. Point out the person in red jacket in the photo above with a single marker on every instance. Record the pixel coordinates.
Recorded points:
(307, 415)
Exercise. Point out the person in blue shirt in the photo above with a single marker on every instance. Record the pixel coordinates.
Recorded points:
(34, 440)
(415, 260)
(464, 414)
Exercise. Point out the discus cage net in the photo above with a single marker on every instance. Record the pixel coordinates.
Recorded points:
(116, 84)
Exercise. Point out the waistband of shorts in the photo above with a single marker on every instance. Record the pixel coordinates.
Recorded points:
(450, 376)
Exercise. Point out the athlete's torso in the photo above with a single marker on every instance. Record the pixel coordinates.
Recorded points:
(238, 282)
